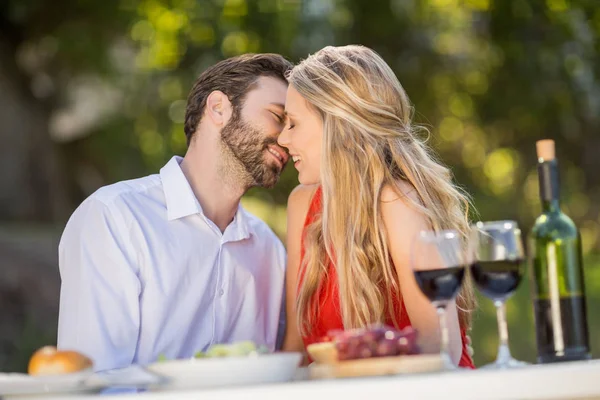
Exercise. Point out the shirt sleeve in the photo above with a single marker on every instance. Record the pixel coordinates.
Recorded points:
(99, 298)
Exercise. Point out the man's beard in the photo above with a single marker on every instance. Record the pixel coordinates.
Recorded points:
(247, 146)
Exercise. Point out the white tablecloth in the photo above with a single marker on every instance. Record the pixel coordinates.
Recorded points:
(576, 380)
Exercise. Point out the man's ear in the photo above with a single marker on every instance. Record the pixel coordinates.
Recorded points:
(218, 108)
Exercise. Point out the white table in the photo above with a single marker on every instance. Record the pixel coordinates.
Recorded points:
(576, 380)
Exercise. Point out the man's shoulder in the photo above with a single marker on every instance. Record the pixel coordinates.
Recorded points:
(266, 242)
(125, 199)
(117, 204)
(121, 190)
(262, 229)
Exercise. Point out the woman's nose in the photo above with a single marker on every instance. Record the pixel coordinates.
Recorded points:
(284, 138)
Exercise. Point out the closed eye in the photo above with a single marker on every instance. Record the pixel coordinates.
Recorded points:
(279, 118)
(291, 125)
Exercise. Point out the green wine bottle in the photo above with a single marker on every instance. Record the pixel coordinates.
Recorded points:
(557, 272)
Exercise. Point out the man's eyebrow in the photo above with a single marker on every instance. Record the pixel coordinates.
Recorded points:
(279, 105)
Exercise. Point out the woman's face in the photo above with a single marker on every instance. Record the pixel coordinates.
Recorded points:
(302, 136)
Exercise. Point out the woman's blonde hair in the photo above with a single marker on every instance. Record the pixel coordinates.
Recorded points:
(369, 142)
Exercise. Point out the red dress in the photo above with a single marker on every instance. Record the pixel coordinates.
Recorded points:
(328, 299)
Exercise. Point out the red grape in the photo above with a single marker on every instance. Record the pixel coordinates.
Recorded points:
(364, 351)
(387, 347)
(374, 341)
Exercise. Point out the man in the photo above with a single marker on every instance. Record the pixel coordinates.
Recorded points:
(171, 263)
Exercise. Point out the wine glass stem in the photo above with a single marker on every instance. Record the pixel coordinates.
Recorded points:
(503, 349)
(445, 339)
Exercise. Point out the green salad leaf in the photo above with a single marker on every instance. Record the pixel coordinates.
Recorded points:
(237, 349)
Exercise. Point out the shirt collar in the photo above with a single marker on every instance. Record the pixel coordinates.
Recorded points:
(240, 228)
(181, 200)
(179, 195)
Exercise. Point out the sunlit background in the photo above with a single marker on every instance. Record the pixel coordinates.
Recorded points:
(92, 92)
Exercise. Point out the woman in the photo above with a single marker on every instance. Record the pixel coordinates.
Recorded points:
(368, 185)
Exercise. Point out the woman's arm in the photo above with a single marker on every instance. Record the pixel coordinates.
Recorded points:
(402, 222)
(297, 208)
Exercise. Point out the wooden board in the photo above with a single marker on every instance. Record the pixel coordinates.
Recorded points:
(378, 366)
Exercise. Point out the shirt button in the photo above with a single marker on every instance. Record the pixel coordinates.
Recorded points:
(221, 292)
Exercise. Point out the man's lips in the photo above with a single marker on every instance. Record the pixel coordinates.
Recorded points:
(279, 153)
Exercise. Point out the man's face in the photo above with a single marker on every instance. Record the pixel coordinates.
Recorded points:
(251, 133)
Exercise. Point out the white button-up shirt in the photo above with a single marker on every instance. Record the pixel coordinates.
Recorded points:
(145, 273)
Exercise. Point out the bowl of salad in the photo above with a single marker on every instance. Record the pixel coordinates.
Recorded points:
(240, 363)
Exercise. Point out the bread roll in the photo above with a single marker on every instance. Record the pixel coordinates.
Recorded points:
(50, 361)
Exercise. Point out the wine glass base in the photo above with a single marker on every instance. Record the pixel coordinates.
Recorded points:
(447, 363)
(505, 364)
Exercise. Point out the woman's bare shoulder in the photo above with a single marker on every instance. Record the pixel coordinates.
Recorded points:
(403, 190)
(301, 196)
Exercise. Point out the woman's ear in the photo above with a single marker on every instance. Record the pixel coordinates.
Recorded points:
(218, 108)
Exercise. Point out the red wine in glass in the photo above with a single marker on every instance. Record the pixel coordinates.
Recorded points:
(440, 285)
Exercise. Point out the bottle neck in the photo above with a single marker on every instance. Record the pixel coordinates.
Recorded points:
(552, 206)
(549, 186)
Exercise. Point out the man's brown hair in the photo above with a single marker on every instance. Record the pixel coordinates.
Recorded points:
(235, 77)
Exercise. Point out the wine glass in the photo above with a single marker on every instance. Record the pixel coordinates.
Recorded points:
(496, 258)
(438, 262)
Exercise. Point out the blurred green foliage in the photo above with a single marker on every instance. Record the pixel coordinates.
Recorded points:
(487, 77)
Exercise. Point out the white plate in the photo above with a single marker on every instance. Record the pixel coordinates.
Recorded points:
(23, 384)
(16, 385)
(227, 371)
